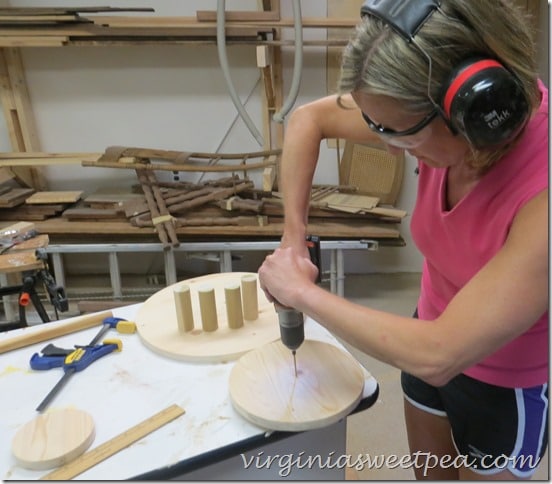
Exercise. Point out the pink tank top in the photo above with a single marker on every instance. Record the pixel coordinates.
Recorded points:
(456, 244)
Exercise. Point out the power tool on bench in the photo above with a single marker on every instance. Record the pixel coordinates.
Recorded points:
(292, 329)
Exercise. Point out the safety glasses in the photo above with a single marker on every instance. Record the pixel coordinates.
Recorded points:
(407, 138)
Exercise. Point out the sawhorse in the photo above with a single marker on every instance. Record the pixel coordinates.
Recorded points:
(32, 264)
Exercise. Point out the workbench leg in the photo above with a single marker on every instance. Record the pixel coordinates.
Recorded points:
(226, 261)
(59, 273)
(11, 303)
(340, 273)
(115, 275)
(333, 265)
(170, 267)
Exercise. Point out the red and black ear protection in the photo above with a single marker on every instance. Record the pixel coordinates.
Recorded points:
(485, 102)
(481, 99)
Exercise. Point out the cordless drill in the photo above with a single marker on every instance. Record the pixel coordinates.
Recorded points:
(292, 330)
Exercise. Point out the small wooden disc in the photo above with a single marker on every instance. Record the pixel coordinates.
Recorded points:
(53, 438)
(265, 390)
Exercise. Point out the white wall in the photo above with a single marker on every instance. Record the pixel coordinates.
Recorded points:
(173, 97)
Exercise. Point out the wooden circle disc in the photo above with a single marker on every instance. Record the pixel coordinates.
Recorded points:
(264, 389)
(157, 323)
(53, 438)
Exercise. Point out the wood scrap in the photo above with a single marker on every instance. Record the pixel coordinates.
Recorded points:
(110, 199)
(388, 212)
(67, 10)
(37, 241)
(201, 193)
(15, 197)
(16, 229)
(217, 194)
(6, 175)
(349, 202)
(32, 158)
(318, 193)
(236, 203)
(4, 189)
(87, 213)
(237, 16)
(258, 220)
(148, 159)
(160, 217)
(21, 261)
(43, 198)
(29, 213)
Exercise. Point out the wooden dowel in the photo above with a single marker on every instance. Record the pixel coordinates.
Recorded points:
(249, 297)
(184, 312)
(217, 194)
(53, 331)
(208, 307)
(234, 312)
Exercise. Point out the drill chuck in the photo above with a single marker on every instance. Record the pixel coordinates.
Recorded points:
(292, 328)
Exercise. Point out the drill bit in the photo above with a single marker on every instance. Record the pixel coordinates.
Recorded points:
(294, 362)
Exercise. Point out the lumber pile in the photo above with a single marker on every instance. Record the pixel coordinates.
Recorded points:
(27, 204)
(169, 208)
(56, 26)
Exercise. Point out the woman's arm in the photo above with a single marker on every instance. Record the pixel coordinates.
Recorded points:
(307, 127)
(503, 300)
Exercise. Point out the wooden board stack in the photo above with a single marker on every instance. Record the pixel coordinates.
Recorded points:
(26, 204)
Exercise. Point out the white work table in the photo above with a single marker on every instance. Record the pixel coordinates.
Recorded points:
(123, 389)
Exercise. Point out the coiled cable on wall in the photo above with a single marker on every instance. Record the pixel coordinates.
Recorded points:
(297, 65)
(223, 60)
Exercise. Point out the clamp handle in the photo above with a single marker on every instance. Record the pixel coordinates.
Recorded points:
(84, 356)
(77, 359)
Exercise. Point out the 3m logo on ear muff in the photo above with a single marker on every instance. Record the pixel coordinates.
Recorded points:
(485, 102)
(494, 120)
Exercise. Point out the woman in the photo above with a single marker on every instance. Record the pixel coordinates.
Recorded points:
(454, 84)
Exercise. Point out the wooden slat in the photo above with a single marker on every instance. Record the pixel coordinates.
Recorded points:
(65, 10)
(35, 41)
(66, 196)
(191, 22)
(15, 196)
(251, 16)
(87, 213)
(38, 242)
(38, 159)
(37, 18)
(18, 113)
(24, 261)
(16, 229)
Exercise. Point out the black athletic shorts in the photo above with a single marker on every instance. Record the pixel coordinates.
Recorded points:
(493, 428)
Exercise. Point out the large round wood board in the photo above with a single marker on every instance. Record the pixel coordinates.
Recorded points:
(265, 390)
(157, 323)
(53, 438)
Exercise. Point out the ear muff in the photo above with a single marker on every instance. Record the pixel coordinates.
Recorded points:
(485, 102)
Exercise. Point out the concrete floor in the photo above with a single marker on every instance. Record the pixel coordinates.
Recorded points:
(380, 430)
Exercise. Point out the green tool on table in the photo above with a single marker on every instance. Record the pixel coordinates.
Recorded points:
(71, 361)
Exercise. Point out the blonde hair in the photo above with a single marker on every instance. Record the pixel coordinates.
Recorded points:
(378, 61)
